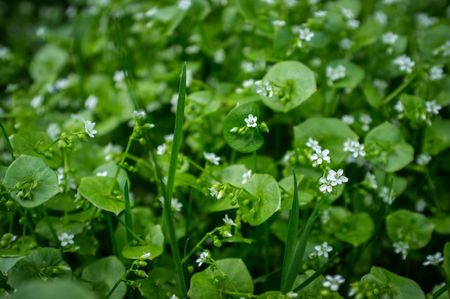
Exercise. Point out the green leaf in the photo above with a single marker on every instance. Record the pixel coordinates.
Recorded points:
(55, 289)
(437, 137)
(30, 181)
(231, 274)
(392, 285)
(330, 132)
(154, 244)
(36, 143)
(447, 258)
(441, 224)
(251, 139)
(412, 228)
(110, 169)
(96, 189)
(42, 263)
(260, 200)
(47, 63)
(414, 107)
(353, 74)
(388, 147)
(431, 40)
(357, 229)
(103, 274)
(295, 79)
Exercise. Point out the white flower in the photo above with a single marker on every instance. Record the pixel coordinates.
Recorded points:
(433, 259)
(53, 130)
(387, 195)
(305, 34)
(389, 38)
(146, 255)
(436, 73)
(102, 173)
(380, 17)
(292, 295)
(139, 114)
(325, 185)
(399, 107)
(320, 156)
(425, 20)
(219, 56)
(420, 205)
(355, 148)
(37, 101)
(184, 4)
(423, 159)
(176, 205)
(66, 239)
(61, 83)
(91, 102)
(320, 13)
(323, 249)
(250, 121)
(264, 88)
(202, 258)
(404, 63)
(348, 119)
(118, 77)
(60, 175)
(89, 128)
(228, 220)
(212, 158)
(402, 248)
(333, 282)
(335, 73)
(372, 180)
(347, 13)
(313, 144)
(337, 177)
(380, 84)
(432, 107)
(366, 120)
(353, 23)
(279, 23)
(246, 176)
(161, 149)
(214, 191)
(345, 44)
(174, 297)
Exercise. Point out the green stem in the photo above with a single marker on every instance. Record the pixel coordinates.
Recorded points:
(439, 292)
(111, 234)
(316, 274)
(194, 249)
(398, 90)
(122, 160)
(8, 143)
(128, 216)
(123, 277)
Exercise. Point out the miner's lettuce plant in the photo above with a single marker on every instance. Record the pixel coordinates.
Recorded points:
(224, 149)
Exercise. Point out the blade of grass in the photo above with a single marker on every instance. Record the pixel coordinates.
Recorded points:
(128, 217)
(297, 260)
(109, 224)
(168, 216)
(8, 143)
(291, 237)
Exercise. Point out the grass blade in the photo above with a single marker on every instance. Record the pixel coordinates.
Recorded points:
(8, 143)
(297, 258)
(128, 217)
(291, 237)
(168, 216)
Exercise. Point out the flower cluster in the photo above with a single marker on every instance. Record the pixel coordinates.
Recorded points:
(335, 73)
(355, 148)
(332, 179)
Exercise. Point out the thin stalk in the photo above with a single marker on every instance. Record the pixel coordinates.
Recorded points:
(398, 90)
(8, 143)
(439, 292)
(167, 211)
(194, 249)
(135, 236)
(297, 259)
(291, 237)
(111, 234)
(128, 216)
(316, 274)
(117, 284)
(122, 160)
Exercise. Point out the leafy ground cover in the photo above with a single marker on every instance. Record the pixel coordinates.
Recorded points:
(224, 149)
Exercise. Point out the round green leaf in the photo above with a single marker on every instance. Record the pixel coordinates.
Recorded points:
(56, 289)
(409, 227)
(252, 139)
(299, 83)
(431, 41)
(260, 199)
(389, 147)
(154, 244)
(30, 181)
(103, 274)
(330, 132)
(400, 287)
(47, 63)
(238, 279)
(96, 189)
(357, 229)
(42, 263)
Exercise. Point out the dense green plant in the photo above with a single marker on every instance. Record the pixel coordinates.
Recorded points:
(224, 149)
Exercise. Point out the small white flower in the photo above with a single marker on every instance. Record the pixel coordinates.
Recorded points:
(161, 149)
(246, 176)
(389, 38)
(335, 73)
(433, 259)
(399, 107)
(420, 205)
(212, 158)
(53, 131)
(292, 295)
(423, 159)
(444, 49)
(355, 148)
(337, 177)
(176, 205)
(102, 173)
(436, 73)
(380, 17)
(228, 220)
(184, 4)
(66, 239)
(320, 156)
(250, 121)
(345, 44)
(60, 175)
(401, 248)
(320, 13)
(202, 258)
(139, 114)
(118, 77)
(348, 119)
(404, 63)
(37, 101)
(146, 255)
(372, 180)
(365, 120)
(313, 144)
(215, 191)
(323, 249)
(380, 84)
(305, 34)
(89, 128)
(91, 102)
(279, 23)
(353, 23)
(219, 56)
(387, 195)
(432, 107)
(264, 88)
(333, 282)
(61, 83)
(347, 13)
(325, 185)
(425, 20)
(174, 297)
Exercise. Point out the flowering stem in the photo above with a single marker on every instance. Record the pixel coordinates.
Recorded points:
(205, 237)
(398, 90)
